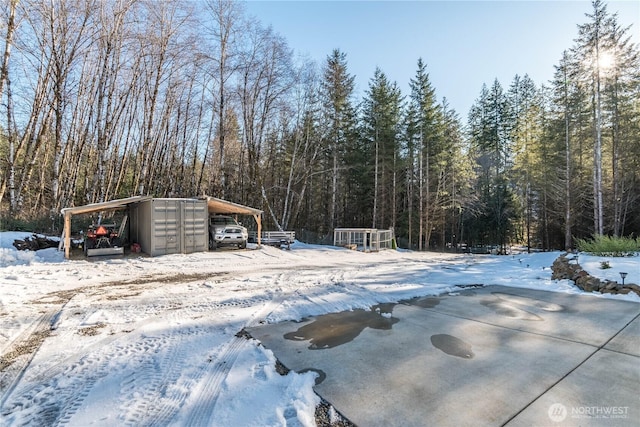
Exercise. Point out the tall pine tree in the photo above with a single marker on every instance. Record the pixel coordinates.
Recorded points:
(381, 117)
(428, 124)
(490, 127)
(339, 116)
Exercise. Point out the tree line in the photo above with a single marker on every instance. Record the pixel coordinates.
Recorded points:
(110, 99)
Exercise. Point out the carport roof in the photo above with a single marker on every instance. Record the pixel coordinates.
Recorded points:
(215, 206)
(104, 206)
(219, 206)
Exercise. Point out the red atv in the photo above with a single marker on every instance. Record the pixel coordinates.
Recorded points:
(102, 239)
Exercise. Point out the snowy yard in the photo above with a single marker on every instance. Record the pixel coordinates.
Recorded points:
(152, 341)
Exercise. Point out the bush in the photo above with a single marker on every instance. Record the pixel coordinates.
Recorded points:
(610, 246)
(43, 225)
(50, 226)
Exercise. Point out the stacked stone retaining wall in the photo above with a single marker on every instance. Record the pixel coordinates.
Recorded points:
(566, 267)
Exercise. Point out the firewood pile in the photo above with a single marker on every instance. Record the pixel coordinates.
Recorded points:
(34, 243)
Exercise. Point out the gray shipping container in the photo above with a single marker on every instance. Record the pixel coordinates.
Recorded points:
(170, 226)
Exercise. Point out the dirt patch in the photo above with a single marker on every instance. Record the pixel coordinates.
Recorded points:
(327, 416)
(57, 297)
(117, 297)
(91, 330)
(170, 278)
(62, 297)
(28, 346)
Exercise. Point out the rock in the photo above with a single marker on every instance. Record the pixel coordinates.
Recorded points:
(580, 274)
(595, 284)
(633, 287)
(562, 269)
(589, 283)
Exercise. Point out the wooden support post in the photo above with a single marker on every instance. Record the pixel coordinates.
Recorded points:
(258, 219)
(67, 234)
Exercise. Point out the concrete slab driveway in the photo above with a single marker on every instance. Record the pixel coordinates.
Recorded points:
(485, 356)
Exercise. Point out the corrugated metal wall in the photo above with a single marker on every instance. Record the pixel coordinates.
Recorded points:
(195, 226)
(170, 226)
(165, 227)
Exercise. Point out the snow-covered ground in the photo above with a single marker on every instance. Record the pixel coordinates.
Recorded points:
(152, 341)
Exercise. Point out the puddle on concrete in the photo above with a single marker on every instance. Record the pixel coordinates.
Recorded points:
(385, 307)
(503, 308)
(334, 329)
(528, 302)
(321, 374)
(424, 302)
(468, 293)
(517, 307)
(453, 346)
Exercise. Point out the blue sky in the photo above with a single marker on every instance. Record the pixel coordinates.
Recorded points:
(463, 43)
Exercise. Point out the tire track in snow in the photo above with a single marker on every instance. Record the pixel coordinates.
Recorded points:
(20, 353)
(332, 293)
(157, 389)
(201, 411)
(59, 392)
(54, 401)
(154, 392)
(150, 396)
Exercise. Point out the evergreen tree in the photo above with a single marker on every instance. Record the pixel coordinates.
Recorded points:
(429, 126)
(381, 117)
(454, 181)
(609, 70)
(489, 123)
(339, 115)
(620, 101)
(593, 49)
(409, 200)
(525, 108)
(565, 126)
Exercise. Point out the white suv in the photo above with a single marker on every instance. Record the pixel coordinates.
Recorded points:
(225, 231)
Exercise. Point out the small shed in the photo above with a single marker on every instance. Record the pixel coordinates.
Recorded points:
(365, 239)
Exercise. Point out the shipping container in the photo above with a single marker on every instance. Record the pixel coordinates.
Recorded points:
(170, 226)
